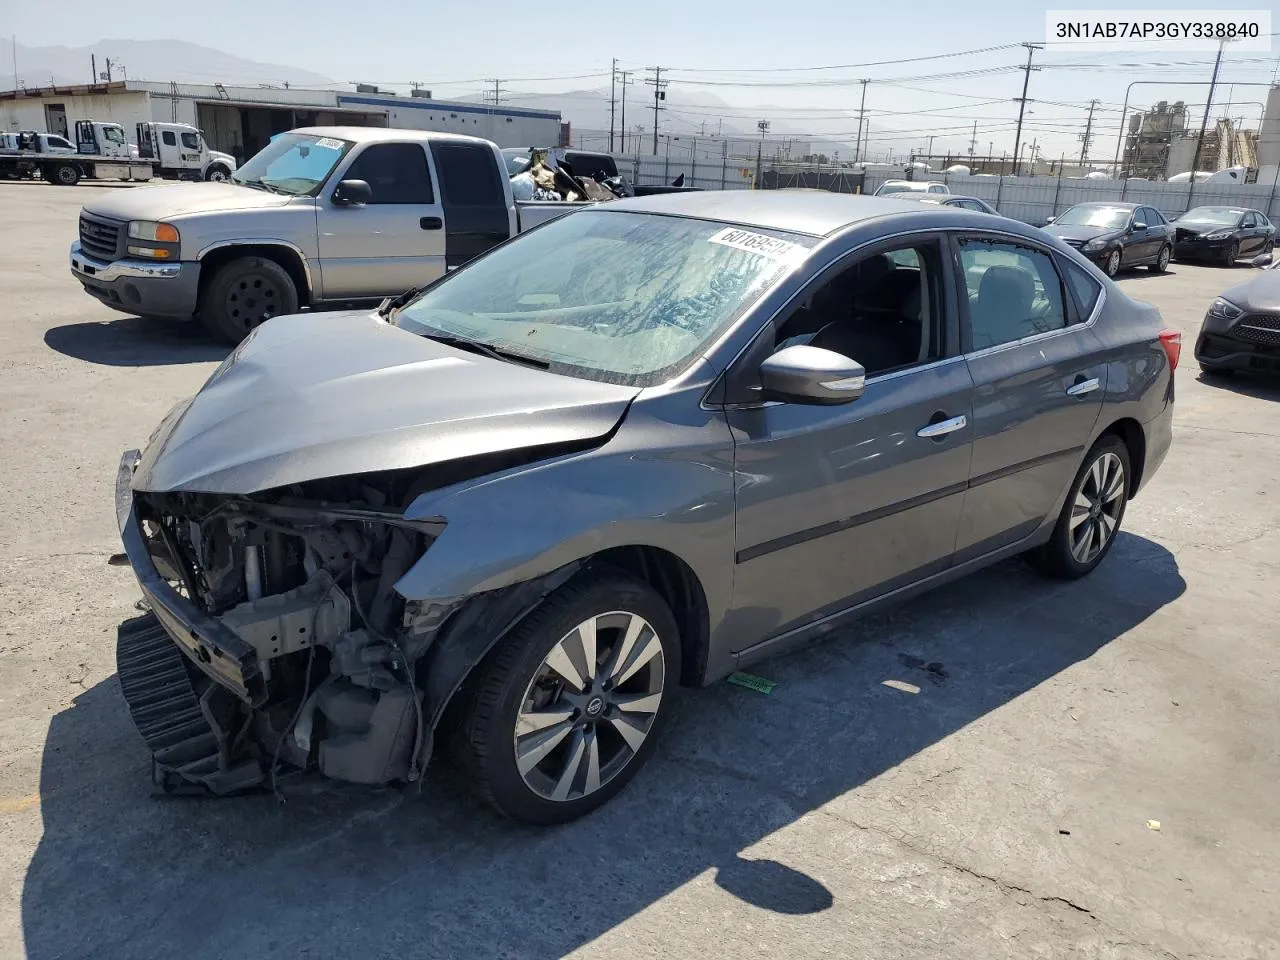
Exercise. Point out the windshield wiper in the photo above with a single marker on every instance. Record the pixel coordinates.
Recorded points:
(391, 304)
(258, 185)
(487, 350)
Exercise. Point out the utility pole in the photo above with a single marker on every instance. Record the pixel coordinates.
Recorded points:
(108, 69)
(862, 109)
(1204, 122)
(496, 97)
(1087, 137)
(659, 94)
(763, 127)
(15, 62)
(624, 82)
(973, 140)
(613, 98)
(93, 67)
(1022, 101)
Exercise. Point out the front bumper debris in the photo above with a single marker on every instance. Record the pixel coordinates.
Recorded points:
(213, 648)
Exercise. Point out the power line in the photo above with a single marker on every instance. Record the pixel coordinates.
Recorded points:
(844, 66)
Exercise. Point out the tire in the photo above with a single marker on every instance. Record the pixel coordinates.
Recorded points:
(1162, 260)
(65, 175)
(217, 173)
(1062, 557)
(244, 293)
(516, 680)
(1112, 266)
(1232, 254)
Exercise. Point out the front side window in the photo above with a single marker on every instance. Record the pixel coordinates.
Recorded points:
(396, 172)
(114, 134)
(882, 310)
(191, 141)
(292, 163)
(59, 142)
(1013, 292)
(1249, 221)
(619, 297)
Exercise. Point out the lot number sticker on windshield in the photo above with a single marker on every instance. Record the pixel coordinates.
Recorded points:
(329, 144)
(741, 239)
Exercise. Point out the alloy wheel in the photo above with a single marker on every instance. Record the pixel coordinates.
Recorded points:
(590, 706)
(1095, 513)
(1163, 261)
(1113, 263)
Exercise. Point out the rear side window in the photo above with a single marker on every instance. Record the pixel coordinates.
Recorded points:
(1013, 292)
(1153, 216)
(1086, 288)
(468, 175)
(169, 139)
(395, 172)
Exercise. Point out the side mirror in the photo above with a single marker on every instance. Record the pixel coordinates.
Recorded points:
(352, 193)
(1139, 225)
(1051, 219)
(804, 374)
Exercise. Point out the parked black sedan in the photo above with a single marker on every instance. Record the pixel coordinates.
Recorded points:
(1241, 330)
(1116, 235)
(1223, 234)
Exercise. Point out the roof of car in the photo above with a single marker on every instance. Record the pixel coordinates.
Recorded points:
(818, 213)
(1114, 204)
(384, 134)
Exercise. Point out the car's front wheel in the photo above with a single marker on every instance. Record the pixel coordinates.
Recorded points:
(568, 707)
(1232, 255)
(1091, 515)
(1111, 266)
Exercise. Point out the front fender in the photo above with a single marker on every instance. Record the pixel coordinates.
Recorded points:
(664, 480)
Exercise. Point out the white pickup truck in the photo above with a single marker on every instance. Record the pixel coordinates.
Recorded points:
(321, 216)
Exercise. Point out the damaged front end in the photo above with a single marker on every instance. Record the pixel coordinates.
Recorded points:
(276, 638)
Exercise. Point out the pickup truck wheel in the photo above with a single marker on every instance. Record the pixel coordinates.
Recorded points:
(565, 710)
(65, 175)
(245, 293)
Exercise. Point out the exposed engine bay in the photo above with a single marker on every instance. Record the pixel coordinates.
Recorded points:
(323, 663)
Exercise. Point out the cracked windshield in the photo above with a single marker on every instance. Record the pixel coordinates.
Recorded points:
(620, 297)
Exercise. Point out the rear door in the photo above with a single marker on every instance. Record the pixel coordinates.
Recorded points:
(392, 243)
(1158, 231)
(475, 204)
(1038, 387)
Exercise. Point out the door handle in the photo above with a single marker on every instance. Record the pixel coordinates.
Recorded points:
(943, 427)
(1084, 386)
(431, 223)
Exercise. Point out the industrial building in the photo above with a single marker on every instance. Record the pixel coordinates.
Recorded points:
(241, 120)
(1149, 137)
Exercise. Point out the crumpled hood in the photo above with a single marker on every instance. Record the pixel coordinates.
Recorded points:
(1261, 294)
(176, 200)
(1081, 234)
(332, 394)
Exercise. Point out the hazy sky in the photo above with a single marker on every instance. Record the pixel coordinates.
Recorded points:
(450, 48)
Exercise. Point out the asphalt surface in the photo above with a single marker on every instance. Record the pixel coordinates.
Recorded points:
(1004, 809)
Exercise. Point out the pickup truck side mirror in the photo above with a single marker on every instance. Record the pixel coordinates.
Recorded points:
(352, 193)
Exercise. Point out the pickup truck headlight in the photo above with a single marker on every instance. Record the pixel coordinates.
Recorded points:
(1224, 309)
(162, 240)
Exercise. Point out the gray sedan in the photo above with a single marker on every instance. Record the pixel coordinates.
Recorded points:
(642, 446)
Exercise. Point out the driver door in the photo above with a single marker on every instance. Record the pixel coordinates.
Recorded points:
(394, 242)
(838, 504)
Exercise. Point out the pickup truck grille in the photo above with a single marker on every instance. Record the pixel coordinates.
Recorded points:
(100, 238)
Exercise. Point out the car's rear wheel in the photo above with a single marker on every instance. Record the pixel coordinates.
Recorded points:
(245, 293)
(1091, 515)
(567, 708)
(1111, 266)
(1232, 255)
(1162, 260)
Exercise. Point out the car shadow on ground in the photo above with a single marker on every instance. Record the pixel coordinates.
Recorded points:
(135, 342)
(1257, 385)
(339, 871)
